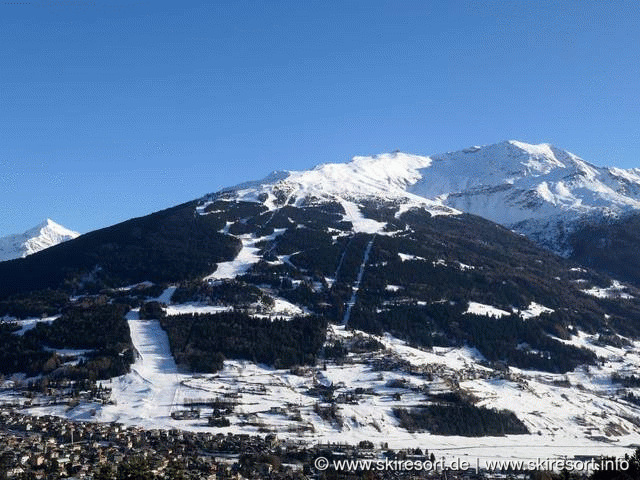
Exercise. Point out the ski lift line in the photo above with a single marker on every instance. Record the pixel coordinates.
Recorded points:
(356, 287)
(276, 210)
(342, 259)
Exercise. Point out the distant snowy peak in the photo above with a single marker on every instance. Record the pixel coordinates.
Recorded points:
(529, 188)
(44, 235)
(47, 234)
(512, 182)
(539, 190)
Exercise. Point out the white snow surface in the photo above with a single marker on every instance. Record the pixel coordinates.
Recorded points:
(485, 310)
(44, 235)
(285, 307)
(165, 296)
(615, 290)
(406, 257)
(30, 323)
(384, 177)
(534, 189)
(146, 395)
(360, 223)
(245, 259)
(512, 182)
(567, 414)
(534, 310)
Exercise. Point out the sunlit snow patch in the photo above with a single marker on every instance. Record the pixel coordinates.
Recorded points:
(282, 306)
(246, 258)
(406, 257)
(485, 310)
(189, 308)
(360, 223)
(30, 323)
(534, 310)
(616, 290)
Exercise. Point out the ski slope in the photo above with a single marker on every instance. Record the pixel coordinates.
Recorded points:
(146, 395)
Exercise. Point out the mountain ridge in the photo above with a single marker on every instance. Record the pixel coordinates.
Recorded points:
(539, 190)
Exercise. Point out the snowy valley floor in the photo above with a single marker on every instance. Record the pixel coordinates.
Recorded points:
(567, 415)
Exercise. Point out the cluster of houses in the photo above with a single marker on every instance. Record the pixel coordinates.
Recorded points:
(49, 447)
(45, 392)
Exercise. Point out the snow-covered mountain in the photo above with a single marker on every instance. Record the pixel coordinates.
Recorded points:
(539, 190)
(43, 235)
(355, 301)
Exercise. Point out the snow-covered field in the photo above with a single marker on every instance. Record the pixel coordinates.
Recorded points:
(533, 310)
(573, 414)
(615, 290)
(28, 323)
(476, 308)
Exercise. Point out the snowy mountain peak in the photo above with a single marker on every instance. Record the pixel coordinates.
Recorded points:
(513, 181)
(44, 235)
(526, 187)
(502, 162)
(384, 177)
(48, 222)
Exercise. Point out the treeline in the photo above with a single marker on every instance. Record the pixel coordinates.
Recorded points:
(630, 473)
(139, 292)
(203, 341)
(626, 380)
(508, 271)
(96, 327)
(100, 329)
(524, 344)
(20, 353)
(228, 293)
(167, 246)
(462, 419)
(35, 304)
(611, 246)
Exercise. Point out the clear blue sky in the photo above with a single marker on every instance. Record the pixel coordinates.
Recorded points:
(111, 109)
